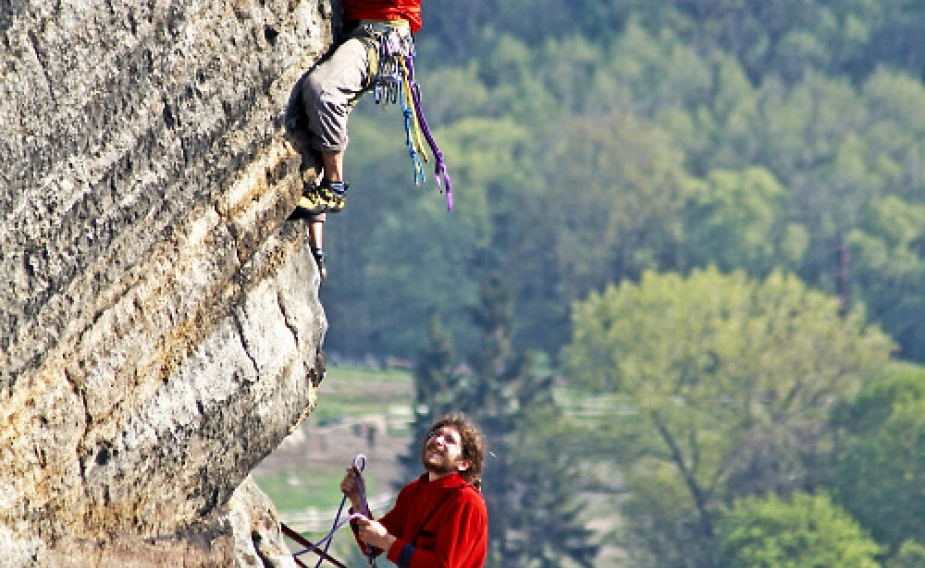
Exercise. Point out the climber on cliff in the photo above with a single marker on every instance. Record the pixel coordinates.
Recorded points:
(378, 43)
(440, 518)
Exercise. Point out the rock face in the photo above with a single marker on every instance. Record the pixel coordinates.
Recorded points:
(160, 328)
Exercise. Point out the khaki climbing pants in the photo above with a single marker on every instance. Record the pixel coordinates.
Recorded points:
(333, 87)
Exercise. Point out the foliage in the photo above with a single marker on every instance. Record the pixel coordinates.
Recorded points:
(436, 381)
(580, 160)
(911, 555)
(880, 472)
(790, 38)
(601, 146)
(732, 381)
(807, 532)
(535, 515)
(549, 524)
(743, 207)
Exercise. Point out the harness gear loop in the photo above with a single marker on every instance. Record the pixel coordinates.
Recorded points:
(391, 48)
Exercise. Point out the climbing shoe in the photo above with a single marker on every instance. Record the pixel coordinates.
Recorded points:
(322, 269)
(333, 193)
(311, 201)
(326, 197)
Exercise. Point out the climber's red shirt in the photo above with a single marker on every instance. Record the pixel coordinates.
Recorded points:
(438, 524)
(384, 10)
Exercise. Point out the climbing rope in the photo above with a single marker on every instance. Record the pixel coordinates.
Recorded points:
(359, 464)
(395, 83)
(307, 543)
(440, 172)
(412, 131)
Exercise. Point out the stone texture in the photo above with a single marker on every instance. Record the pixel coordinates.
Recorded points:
(160, 327)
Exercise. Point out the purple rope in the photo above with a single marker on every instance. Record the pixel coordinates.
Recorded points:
(440, 167)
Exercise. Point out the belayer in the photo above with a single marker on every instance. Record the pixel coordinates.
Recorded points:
(377, 55)
(440, 518)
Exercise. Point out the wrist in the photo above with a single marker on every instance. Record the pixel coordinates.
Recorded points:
(388, 541)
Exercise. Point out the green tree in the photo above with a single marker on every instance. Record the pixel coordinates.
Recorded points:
(642, 73)
(611, 208)
(534, 509)
(459, 27)
(550, 527)
(911, 555)
(747, 135)
(731, 381)
(850, 160)
(794, 38)
(809, 531)
(532, 504)
(411, 259)
(897, 384)
(735, 222)
(889, 268)
(438, 380)
(880, 471)
(896, 39)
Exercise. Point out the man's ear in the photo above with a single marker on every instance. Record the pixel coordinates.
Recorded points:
(463, 465)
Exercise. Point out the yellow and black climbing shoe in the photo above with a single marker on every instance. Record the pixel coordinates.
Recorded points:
(326, 197)
(311, 201)
(334, 194)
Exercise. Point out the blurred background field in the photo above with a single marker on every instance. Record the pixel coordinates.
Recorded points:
(359, 411)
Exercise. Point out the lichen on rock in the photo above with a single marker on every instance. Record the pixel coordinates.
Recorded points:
(160, 327)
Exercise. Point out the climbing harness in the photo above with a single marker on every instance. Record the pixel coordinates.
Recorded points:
(359, 464)
(392, 53)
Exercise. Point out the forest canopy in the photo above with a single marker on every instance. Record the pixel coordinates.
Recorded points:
(688, 251)
(591, 141)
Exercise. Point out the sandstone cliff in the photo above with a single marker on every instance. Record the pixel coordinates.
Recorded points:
(160, 328)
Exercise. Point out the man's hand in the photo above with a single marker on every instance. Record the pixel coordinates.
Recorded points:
(373, 533)
(349, 487)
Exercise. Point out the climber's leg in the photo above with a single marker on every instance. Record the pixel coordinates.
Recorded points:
(328, 94)
(315, 243)
(333, 165)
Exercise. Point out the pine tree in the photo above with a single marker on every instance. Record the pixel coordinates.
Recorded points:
(528, 482)
(437, 380)
(549, 521)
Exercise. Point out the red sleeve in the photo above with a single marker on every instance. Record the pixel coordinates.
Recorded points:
(391, 520)
(395, 519)
(461, 541)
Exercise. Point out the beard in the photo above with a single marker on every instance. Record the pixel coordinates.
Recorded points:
(435, 461)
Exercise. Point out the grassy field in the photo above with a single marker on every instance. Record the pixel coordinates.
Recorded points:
(353, 392)
(304, 473)
(302, 477)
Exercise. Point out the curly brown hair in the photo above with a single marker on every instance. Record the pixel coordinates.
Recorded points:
(473, 445)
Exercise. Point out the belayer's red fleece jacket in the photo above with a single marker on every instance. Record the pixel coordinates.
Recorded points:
(438, 524)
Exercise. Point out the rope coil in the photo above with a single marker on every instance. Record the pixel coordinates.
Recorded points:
(358, 466)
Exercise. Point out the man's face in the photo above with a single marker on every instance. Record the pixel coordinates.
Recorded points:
(442, 452)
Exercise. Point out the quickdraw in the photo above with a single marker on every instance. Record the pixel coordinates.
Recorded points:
(395, 84)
